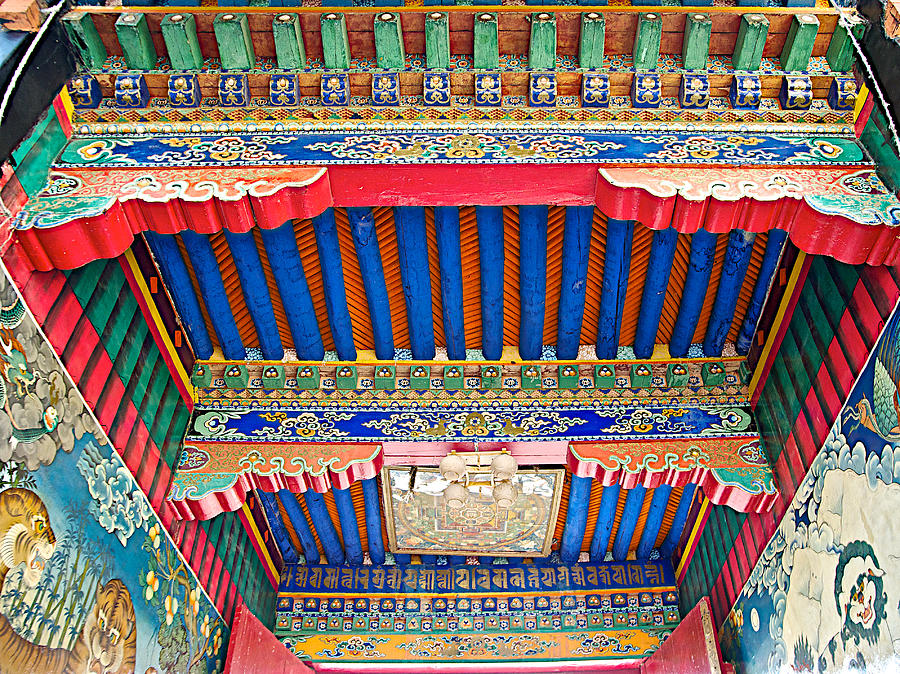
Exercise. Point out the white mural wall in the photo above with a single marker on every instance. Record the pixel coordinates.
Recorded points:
(825, 593)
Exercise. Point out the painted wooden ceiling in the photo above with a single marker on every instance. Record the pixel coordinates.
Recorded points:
(667, 533)
(240, 295)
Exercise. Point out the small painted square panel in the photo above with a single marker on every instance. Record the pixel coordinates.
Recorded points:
(335, 89)
(487, 89)
(645, 90)
(542, 90)
(283, 90)
(386, 89)
(436, 89)
(131, 91)
(595, 90)
(184, 91)
(234, 90)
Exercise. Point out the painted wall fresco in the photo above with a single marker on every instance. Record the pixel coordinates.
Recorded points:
(825, 594)
(89, 580)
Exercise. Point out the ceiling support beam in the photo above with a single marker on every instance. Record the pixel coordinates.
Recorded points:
(290, 277)
(321, 520)
(301, 526)
(659, 267)
(446, 224)
(372, 504)
(575, 257)
(606, 519)
(437, 41)
(616, 265)
(256, 292)
(532, 279)
(486, 42)
(491, 259)
(349, 526)
(542, 46)
(179, 32)
(654, 520)
(576, 519)
(276, 526)
(627, 523)
(365, 241)
(593, 38)
(165, 250)
(428, 559)
(696, 283)
(412, 248)
(329, 250)
(774, 247)
(678, 521)
(737, 257)
(206, 268)
(290, 52)
(402, 560)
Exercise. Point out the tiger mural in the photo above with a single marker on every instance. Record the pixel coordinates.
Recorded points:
(25, 534)
(107, 643)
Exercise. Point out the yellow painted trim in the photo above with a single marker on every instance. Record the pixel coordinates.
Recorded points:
(158, 322)
(776, 324)
(695, 534)
(261, 543)
(861, 97)
(66, 100)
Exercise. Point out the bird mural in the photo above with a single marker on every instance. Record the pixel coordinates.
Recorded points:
(881, 413)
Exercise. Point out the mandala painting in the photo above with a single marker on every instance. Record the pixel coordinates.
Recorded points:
(421, 520)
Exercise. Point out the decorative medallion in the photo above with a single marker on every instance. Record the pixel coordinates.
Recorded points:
(386, 89)
(842, 95)
(745, 91)
(131, 91)
(542, 90)
(796, 92)
(335, 89)
(595, 90)
(487, 89)
(694, 91)
(645, 90)
(421, 519)
(436, 89)
(283, 90)
(184, 91)
(234, 90)
(84, 91)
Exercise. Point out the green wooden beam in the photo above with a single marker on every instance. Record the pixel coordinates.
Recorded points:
(646, 41)
(233, 37)
(593, 39)
(83, 34)
(841, 54)
(335, 45)
(389, 51)
(751, 40)
(289, 50)
(695, 49)
(486, 50)
(798, 46)
(137, 46)
(437, 40)
(542, 47)
(180, 34)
